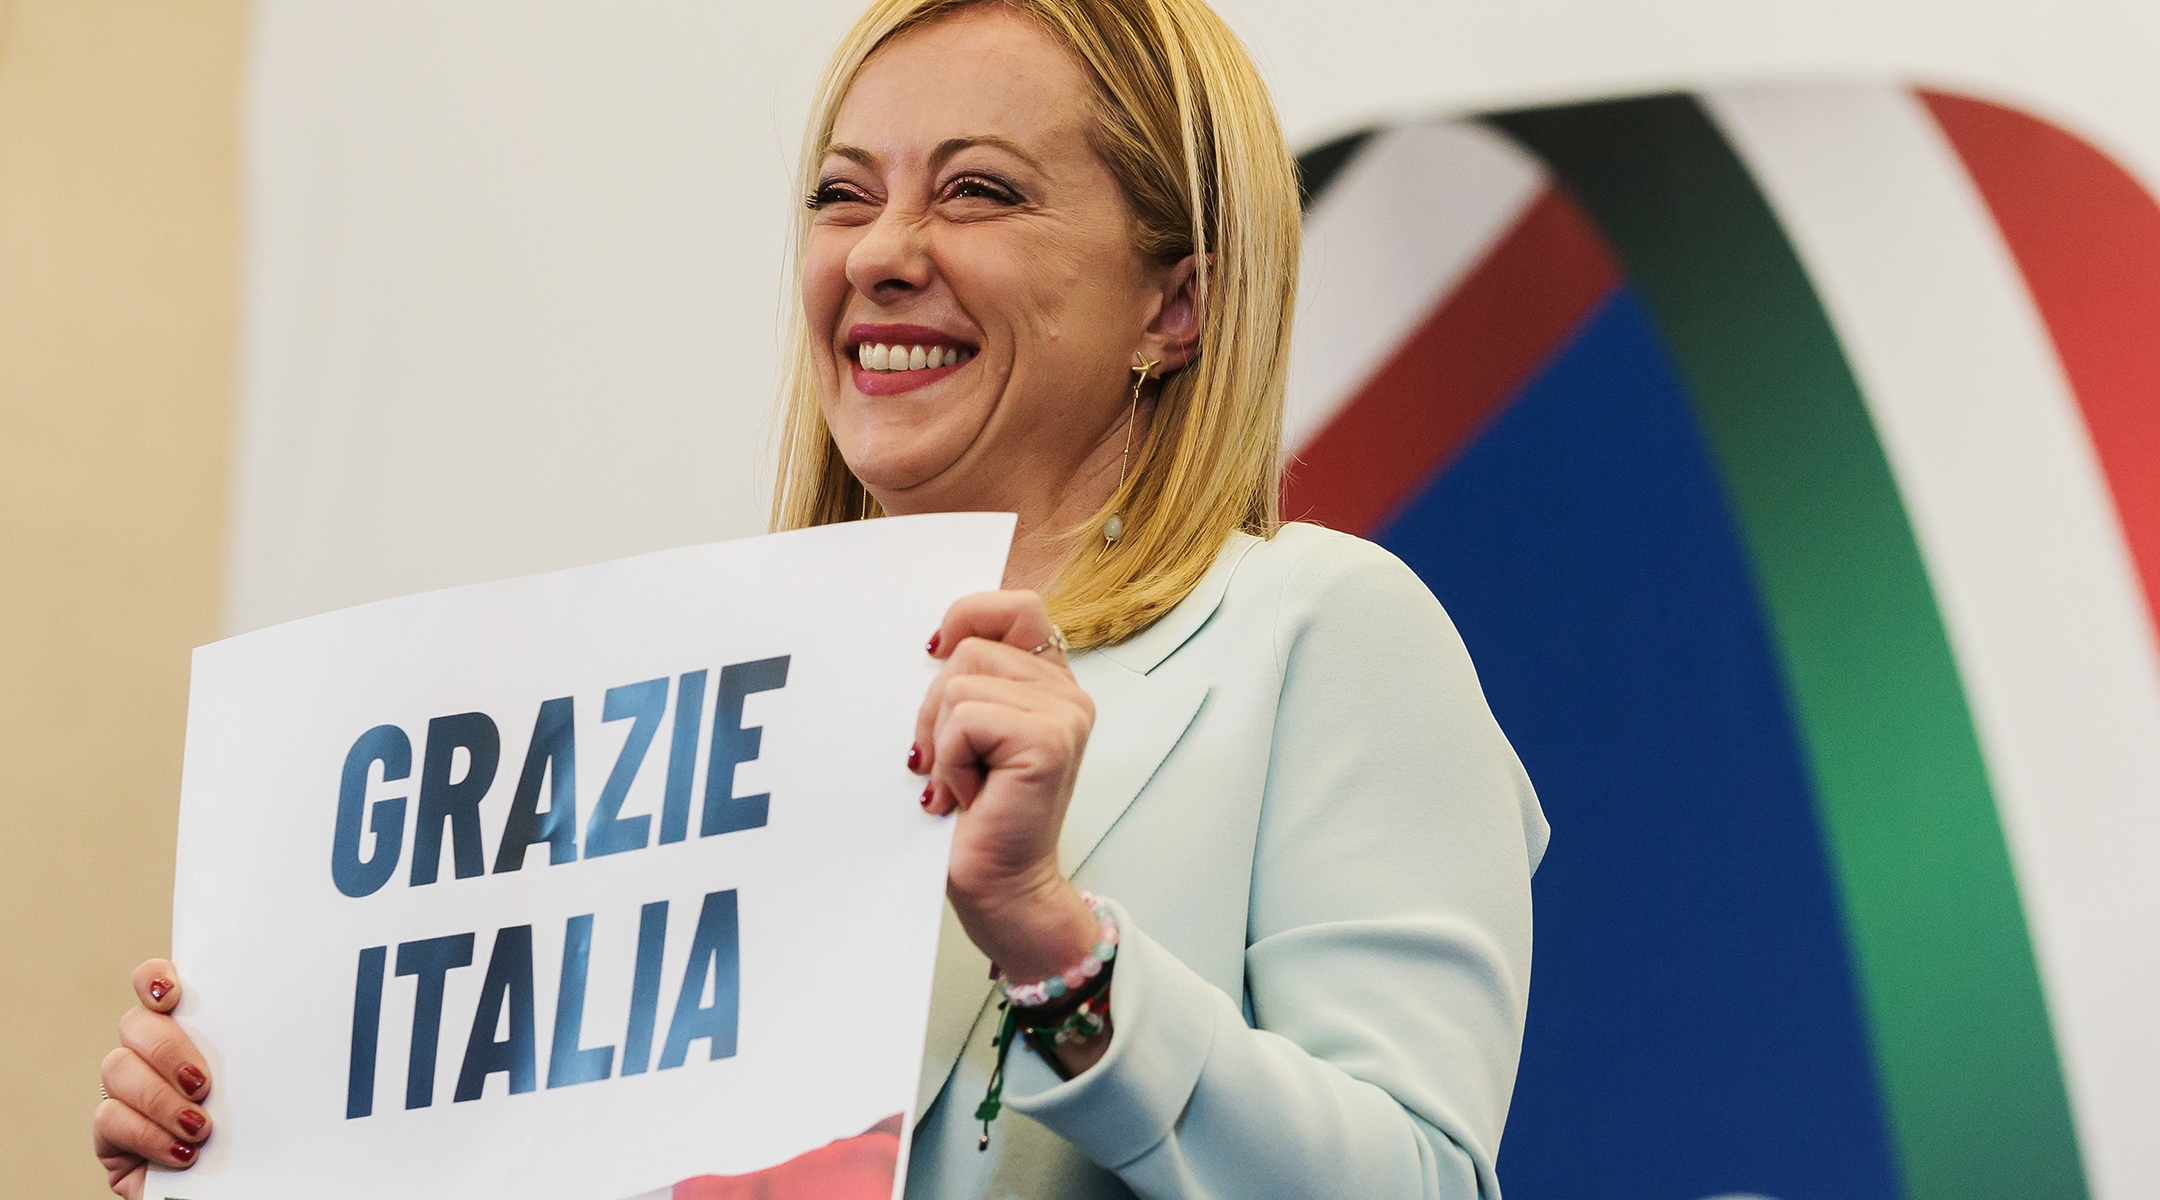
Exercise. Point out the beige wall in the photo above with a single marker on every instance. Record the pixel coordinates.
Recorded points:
(118, 228)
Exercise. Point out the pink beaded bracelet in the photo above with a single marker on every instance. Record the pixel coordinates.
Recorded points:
(1035, 995)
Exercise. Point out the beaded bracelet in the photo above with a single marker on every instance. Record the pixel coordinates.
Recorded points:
(1087, 1020)
(1082, 1023)
(1041, 992)
(1088, 983)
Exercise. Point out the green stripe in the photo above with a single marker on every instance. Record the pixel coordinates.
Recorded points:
(1962, 1044)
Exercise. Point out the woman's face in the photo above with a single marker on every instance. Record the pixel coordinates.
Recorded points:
(964, 219)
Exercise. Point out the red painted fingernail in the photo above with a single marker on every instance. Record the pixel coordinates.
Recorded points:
(191, 1080)
(159, 988)
(192, 1123)
(914, 758)
(926, 794)
(934, 639)
(184, 1152)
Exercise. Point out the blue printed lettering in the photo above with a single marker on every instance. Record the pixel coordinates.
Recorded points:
(641, 703)
(715, 958)
(509, 980)
(388, 745)
(457, 805)
(567, 1063)
(431, 961)
(733, 745)
(682, 757)
(553, 754)
(366, 1029)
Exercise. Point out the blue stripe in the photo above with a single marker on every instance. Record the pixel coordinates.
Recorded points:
(1694, 1025)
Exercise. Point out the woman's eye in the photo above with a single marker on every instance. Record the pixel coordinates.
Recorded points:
(973, 187)
(833, 193)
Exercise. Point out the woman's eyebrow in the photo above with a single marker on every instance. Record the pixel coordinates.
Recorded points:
(854, 154)
(951, 146)
(945, 150)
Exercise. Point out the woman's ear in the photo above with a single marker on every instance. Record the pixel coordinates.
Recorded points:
(1173, 337)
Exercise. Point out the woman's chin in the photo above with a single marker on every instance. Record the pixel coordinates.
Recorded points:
(901, 472)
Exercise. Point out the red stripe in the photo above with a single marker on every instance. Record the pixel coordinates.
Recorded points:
(1482, 343)
(2087, 238)
(855, 1168)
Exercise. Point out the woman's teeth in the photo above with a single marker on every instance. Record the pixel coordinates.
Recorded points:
(909, 358)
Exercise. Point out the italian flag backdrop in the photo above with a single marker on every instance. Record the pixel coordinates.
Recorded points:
(1790, 459)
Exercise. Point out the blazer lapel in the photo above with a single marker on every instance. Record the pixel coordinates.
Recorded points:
(1139, 719)
(1139, 716)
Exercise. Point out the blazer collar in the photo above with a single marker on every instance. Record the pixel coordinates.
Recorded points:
(1139, 719)
(1145, 650)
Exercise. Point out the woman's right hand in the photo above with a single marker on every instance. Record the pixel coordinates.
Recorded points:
(153, 1083)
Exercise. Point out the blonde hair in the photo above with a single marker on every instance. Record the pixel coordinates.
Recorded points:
(1188, 129)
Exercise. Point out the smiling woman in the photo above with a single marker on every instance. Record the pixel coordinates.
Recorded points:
(1037, 184)
(1046, 262)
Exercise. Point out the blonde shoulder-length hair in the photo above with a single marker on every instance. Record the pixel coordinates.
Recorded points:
(1186, 125)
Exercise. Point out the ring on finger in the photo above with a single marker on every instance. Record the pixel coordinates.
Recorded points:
(1057, 638)
(102, 1094)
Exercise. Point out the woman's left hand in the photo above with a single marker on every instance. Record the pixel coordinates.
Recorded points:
(1000, 735)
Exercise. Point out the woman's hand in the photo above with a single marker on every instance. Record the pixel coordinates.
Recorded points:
(153, 1082)
(1000, 736)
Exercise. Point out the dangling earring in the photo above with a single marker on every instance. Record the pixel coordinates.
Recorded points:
(1114, 528)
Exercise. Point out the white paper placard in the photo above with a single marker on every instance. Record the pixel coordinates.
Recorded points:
(373, 819)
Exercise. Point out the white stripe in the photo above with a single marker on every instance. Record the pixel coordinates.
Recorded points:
(2024, 551)
(1411, 214)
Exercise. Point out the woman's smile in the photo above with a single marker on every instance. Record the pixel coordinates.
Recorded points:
(890, 359)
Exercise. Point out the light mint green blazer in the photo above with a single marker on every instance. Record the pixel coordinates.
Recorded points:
(1318, 845)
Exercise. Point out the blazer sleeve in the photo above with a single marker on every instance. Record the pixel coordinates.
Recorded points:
(1388, 958)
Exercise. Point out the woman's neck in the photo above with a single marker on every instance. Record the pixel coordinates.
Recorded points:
(1040, 546)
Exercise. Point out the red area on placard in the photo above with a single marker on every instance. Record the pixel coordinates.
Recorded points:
(2086, 236)
(856, 1168)
(1482, 343)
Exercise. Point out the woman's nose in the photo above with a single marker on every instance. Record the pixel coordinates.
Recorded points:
(892, 257)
